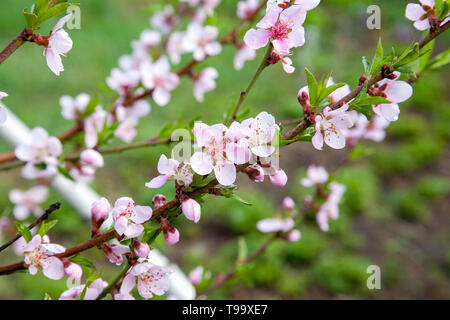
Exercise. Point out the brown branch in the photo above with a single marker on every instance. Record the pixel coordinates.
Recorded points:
(43, 217)
(13, 45)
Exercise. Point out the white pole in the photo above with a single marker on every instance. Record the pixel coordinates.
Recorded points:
(80, 196)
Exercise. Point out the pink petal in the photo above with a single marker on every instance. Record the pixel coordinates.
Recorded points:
(398, 91)
(53, 268)
(141, 214)
(225, 173)
(335, 139)
(167, 166)
(157, 182)
(414, 11)
(256, 39)
(128, 283)
(201, 163)
(133, 230)
(54, 61)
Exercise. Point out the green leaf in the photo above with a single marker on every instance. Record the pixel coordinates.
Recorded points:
(238, 198)
(55, 10)
(313, 87)
(423, 61)
(40, 6)
(444, 11)
(64, 172)
(23, 230)
(47, 296)
(46, 226)
(307, 134)
(366, 65)
(439, 61)
(367, 100)
(31, 19)
(326, 91)
(378, 59)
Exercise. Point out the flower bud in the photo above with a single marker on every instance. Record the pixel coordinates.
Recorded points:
(92, 157)
(72, 270)
(158, 201)
(278, 178)
(99, 212)
(141, 249)
(293, 236)
(191, 209)
(255, 172)
(288, 203)
(172, 236)
(196, 275)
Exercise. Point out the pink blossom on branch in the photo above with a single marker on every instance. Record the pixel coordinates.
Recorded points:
(424, 14)
(316, 175)
(91, 293)
(330, 209)
(27, 202)
(151, 279)
(128, 217)
(170, 169)
(191, 209)
(283, 27)
(244, 53)
(201, 41)
(73, 108)
(39, 255)
(41, 149)
(59, 43)
(275, 225)
(205, 82)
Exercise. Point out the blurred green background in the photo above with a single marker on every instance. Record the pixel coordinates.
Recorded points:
(395, 213)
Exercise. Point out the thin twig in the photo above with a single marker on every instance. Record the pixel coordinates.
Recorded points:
(13, 45)
(43, 217)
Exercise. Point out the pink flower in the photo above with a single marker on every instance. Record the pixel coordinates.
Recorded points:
(245, 53)
(330, 209)
(27, 202)
(278, 177)
(316, 175)
(2, 111)
(158, 201)
(39, 255)
(100, 212)
(365, 129)
(147, 40)
(293, 236)
(129, 117)
(205, 82)
(196, 275)
(246, 8)
(157, 77)
(123, 296)
(72, 270)
(329, 126)
(128, 217)
(393, 90)
(288, 203)
(170, 169)
(201, 41)
(151, 279)
(212, 155)
(59, 43)
(307, 4)
(42, 149)
(73, 108)
(255, 172)
(191, 209)
(171, 235)
(114, 251)
(123, 81)
(92, 291)
(175, 47)
(94, 124)
(282, 27)
(275, 225)
(422, 14)
(165, 20)
(262, 131)
(141, 249)
(92, 158)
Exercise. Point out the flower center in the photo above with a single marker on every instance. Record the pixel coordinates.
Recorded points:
(280, 31)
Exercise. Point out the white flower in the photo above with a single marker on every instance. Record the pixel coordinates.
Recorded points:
(59, 43)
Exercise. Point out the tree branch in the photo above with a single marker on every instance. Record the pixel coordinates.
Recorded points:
(43, 217)
(13, 45)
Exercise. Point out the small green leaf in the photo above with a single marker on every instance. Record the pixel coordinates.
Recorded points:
(378, 59)
(313, 87)
(64, 172)
(40, 6)
(238, 198)
(31, 19)
(366, 65)
(439, 61)
(23, 230)
(55, 10)
(46, 226)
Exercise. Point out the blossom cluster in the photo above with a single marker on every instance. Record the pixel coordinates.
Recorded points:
(282, 25)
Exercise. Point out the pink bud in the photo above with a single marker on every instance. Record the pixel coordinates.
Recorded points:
(288, 203)
(100, 211)
(92, 157)
(191, 209)
(158, 201)
(72, 270)
(255, 172)
(171, 235)
(141, 248)
(293, 236)
(278, 178)
(196, 275)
